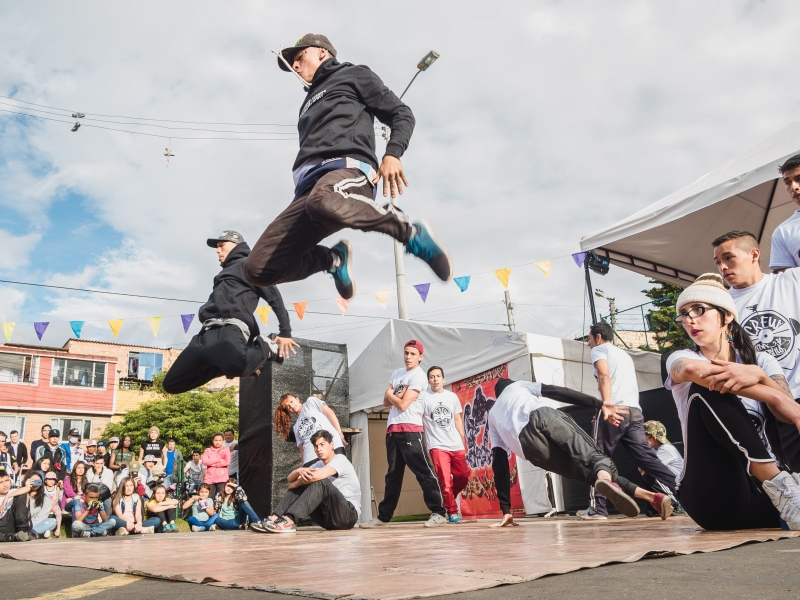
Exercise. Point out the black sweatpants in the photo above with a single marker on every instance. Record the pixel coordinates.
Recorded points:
(17, 518)
(553, 441)
(165, 516)
(716, 489)
(630, 434)
(212, 353)
(790, 440)
(289, 249)
(406, 449)
(322, 502)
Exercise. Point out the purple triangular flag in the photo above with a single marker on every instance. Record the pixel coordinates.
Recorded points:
(423, 289)
(579, 257)
(40, 327)
(187, 320)
(462, 282)
(77, 326)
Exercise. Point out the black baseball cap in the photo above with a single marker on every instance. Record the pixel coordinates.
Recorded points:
(229, 235)
(74, 432)
(309, 40)
(55, 433)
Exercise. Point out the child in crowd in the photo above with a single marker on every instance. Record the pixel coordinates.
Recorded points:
(53, 492)
(127, 508)
(162, 508)
(312, 415)
(147, 479)
(89, 518)
(204, 517)
(74, 485)
(216, 459)
(233, 508)
(40, 505)
(195, 472)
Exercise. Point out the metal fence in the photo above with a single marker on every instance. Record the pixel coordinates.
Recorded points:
(633, 328)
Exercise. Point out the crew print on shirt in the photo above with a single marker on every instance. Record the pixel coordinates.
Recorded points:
(307, 426)
(773, 333)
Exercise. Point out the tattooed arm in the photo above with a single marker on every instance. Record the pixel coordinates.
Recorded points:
(781, 381)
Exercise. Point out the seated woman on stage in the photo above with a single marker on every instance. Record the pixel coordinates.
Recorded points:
(162, 508)
(728, 396)
(312, 415)
(233, 508)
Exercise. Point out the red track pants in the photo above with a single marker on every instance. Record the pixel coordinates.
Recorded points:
(452, 472)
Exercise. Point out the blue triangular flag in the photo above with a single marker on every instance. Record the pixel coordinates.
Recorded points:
(423, 289)
(77, 326)
(462, 282)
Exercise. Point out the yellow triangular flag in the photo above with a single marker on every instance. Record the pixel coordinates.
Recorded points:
(8, 329)
(342, 303)
(300, 309)
(544, 267)
(155, 324)
(116, 325)
(382, 297)
(502, 275)
(263, 313)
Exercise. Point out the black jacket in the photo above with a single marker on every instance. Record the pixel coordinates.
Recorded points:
(234, 298)
(336, 118)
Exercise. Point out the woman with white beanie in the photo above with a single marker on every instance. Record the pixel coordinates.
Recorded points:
(725, 391)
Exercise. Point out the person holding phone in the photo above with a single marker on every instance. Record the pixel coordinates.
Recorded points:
(89, 518)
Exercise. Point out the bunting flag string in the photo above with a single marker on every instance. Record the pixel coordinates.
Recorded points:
(423, 289)
(187, 320)
(263, 313)
(77, 326)
(502, 275)
(579, 257)
(40, 328)
(8, 329)
(300, 309)
(544, 267)
(462, 282)
(155, 324)
(342, 303)
(116, 325)
(382, 297)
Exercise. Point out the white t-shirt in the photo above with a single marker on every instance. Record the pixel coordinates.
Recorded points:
(669, 455)
(233, 467)
(310, 420)
(439, 418)
(511, 413)
(346, 480)
(769, 312)
(785, 252)
(756, 410)
(624, 388)
(411, 418)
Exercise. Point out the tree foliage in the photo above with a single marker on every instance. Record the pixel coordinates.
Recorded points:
(191, 417)
(669, 335)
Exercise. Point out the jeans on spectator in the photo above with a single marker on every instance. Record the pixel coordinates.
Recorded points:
(152, 522)
(70, 503)
(245, 511)
(96, 529)
(204, 524)
(44, 525)
(117, 523)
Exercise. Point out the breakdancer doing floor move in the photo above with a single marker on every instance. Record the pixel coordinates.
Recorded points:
(336, 173)
(520, 422)
(229, 342)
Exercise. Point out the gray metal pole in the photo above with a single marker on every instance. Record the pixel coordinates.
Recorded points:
(510, 312)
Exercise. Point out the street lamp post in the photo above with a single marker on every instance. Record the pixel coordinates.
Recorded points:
(400, 274)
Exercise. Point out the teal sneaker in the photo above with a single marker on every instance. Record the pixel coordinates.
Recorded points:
(342, 273)
(424, 245)
(454, 519)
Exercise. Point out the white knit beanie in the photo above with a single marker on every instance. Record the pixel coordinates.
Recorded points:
(709, 289)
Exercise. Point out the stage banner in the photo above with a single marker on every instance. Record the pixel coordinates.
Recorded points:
(479, 500)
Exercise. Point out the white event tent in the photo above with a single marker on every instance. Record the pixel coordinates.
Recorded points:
(671, 239)
(466, 352)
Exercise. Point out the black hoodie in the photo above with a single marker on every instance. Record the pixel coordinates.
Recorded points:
(336, 118)
(234, 298)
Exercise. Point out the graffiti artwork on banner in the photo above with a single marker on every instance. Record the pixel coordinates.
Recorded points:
(479, 499)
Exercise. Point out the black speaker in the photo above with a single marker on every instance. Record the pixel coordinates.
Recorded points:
(265, 459)
(657, 405)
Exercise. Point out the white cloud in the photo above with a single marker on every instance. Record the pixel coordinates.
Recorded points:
(15, 250)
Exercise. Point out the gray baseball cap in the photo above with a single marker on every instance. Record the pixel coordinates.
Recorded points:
(309, 40)
(229, 235)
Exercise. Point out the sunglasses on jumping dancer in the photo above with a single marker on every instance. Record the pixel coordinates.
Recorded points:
(694, 313)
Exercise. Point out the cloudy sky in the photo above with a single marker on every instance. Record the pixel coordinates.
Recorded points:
(541, 122)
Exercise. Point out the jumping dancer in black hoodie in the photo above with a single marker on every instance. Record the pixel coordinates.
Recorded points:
(336, 172)
(229, 343)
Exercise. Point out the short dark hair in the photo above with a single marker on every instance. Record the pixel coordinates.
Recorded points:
(196, 451)
(92, 488)
(204, 486)
(3, 473)
(172, 440)
(791, 163)
(46, 425)
(217, 435)
(231, 430)
(744, 239)
(13, 431)
(602, 329)
(322, 433)
(435, 367)
(99, 457)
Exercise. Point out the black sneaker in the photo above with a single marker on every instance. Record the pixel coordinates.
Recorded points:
(343, 273)
(423, 244)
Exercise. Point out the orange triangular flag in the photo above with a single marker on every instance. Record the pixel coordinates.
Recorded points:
(502, 275)
(116, 325)
(263, 313)
(300, 309)
(342, 305)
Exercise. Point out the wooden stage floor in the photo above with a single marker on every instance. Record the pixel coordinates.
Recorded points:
(398, 561)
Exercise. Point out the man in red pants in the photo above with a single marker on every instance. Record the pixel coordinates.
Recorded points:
(444, 434)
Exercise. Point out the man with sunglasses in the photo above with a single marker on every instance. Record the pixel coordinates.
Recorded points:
(336, 172)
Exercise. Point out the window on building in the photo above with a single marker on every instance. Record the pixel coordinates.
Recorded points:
(64, 425)
(79, 373)
(144, 365)
(17, 368)
(9, 424)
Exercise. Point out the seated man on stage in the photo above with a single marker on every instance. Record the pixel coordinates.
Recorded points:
(521, 423)
(328, 492)
(229, 342)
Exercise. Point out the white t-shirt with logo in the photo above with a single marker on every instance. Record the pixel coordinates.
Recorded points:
(785, 252)
(439, 419)
(624, 388)
(511, 413)
(310, 420)
(345, 480)
(769, 312)
(409, 419)
(756, 410)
